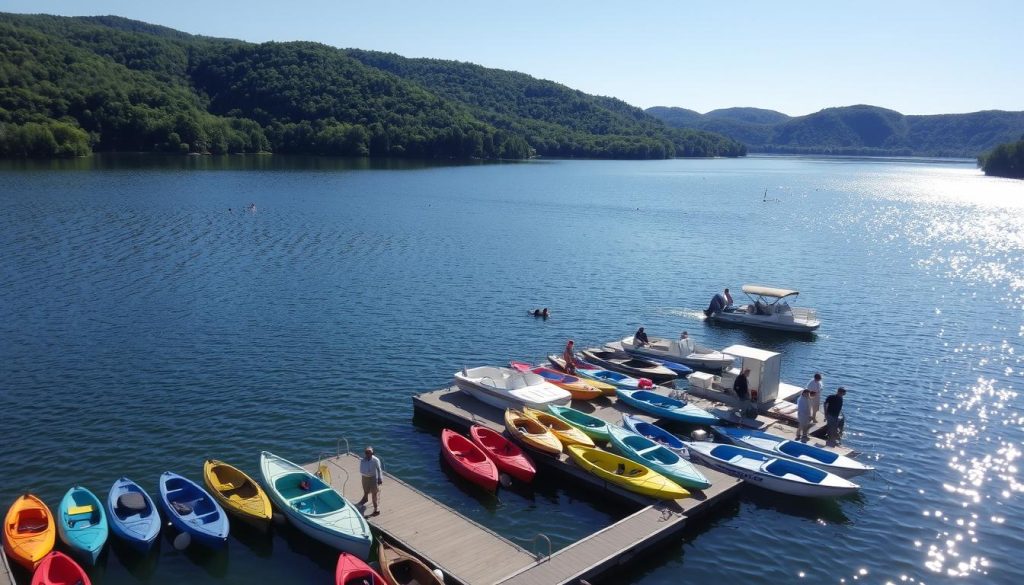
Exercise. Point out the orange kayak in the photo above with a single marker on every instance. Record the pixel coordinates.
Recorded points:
(29, 531)
(580, 389)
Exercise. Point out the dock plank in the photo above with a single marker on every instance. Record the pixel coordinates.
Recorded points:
(6, 577)
(466, 551)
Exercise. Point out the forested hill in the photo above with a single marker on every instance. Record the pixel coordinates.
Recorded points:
(69, 86)
(865, 130)
(1005, 160)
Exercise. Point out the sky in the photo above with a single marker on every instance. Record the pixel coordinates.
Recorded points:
(795, 57)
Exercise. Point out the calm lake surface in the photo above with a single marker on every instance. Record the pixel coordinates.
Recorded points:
(147, 322)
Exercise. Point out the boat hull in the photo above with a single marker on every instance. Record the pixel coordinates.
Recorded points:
(711, 361)
(740, 317)
(138, 528)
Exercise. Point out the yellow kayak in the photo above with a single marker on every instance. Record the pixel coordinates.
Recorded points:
(566, 433)
(531, 433)
(238, 493)
(628, 474)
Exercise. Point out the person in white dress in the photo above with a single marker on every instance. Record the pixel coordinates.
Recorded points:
(814, 387)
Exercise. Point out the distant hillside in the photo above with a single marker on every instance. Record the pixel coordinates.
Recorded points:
(72, 85)
(860, 129)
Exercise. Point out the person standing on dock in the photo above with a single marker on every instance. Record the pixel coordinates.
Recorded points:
(833, 410)
(740, 387)
(803, 415)
(372, 477)
(569, 358)
(814, 387)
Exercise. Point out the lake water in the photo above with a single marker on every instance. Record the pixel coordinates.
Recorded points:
(148, 322)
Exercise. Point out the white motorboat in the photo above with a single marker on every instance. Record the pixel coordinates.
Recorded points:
(505, 387)
(773, 473)
(768, 308)
(682, 351)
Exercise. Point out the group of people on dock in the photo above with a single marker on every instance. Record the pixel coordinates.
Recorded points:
(808, 404)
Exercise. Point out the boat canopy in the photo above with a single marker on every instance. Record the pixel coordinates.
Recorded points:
(768, 291)
(744, 351)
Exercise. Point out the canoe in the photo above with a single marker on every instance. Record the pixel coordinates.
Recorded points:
(579, 389)
(665, 407)
(658, 457)
(506, 455)
(782, 447)
(315, 508)
(594, 427)
(468, 460)
(772, 473)
(653, 432)
(58, 568)
(82, 524)
(505, 387)
(620, 361)
(351, 570)
(29, 531)
(625, 473)
(596, 375)
(192, 510)
(238, 493)
(531, 433)
(400, 568)
(132, 515)
(566, 433)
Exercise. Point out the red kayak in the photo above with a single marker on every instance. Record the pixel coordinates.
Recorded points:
(468, 460)
(353, 571)
(505, 454)
(58, 568)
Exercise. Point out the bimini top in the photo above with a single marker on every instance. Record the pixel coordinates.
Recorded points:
(767, 291)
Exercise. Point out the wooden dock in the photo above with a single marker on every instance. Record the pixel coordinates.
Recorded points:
(6, 577)
(466, 551)
(612, 545)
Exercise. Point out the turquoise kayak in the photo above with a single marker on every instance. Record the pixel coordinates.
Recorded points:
(665, 407)
(658, 457)
(592, 426)
(82, 523)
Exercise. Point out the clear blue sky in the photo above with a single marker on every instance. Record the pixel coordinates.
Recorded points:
(795, 57)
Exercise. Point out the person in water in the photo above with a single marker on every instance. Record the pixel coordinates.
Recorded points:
(540, 313)
(640, 338)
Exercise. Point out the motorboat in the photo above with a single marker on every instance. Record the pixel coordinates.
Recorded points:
(628, 364)
(683, 351)
(680, 370)
(506, 387)
(768, 308)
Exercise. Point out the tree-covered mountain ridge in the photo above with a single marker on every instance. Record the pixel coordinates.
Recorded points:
(72, 85)
(858, 129)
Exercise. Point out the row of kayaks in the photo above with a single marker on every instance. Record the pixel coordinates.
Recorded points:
(648, 459)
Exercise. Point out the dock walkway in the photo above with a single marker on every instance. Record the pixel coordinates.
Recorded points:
(466, 551)
(6, 578)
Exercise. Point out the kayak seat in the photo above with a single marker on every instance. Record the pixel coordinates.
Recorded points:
(77, 510)
(131, 502)
(224, 486)
(31, 525)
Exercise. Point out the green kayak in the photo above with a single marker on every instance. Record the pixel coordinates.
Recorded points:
(593, 427)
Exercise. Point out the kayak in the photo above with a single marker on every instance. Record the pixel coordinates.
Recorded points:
(829, 461)
(625, 473)
(192, 510)
(132, 514)
(29, 531)
(608, 379)
(531, 433)
(506, 455)
(238, 493)
(653, 432)
(594, 427)
(566, 433)
(58, 568)
(82, 524)
(400, 568)
(579, 389)
(665, 407)
(468, 460)
(658, 457)
(621, 361)
(351, 570)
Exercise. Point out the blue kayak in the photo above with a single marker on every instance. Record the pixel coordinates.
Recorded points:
(82, 524)
(191, 509)
(680, 370)
(652, 431)
(133, 515)
(665, 407)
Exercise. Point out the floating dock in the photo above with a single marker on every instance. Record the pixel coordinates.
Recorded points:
(6, 578)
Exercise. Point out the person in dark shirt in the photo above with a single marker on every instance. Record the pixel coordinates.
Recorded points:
(740, 385)
(833, 410)
(640, 338)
